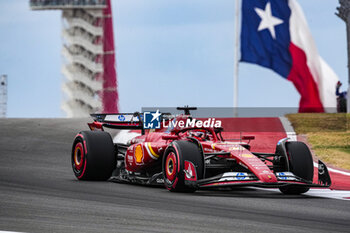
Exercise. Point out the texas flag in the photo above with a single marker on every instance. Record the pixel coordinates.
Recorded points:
(275, 35)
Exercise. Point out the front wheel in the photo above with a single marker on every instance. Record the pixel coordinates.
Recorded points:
(301, 165)
(183, 164)
(93, 155)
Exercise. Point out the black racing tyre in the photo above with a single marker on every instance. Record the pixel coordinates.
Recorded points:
(174, 164)
(301, 165)
(93, 155)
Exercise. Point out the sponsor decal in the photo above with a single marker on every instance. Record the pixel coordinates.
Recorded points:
(234, 148)
(285, 176)
(208, 149)
(129, 155)
(160, 181)
(138, 154)
(247, 155)
(240, 176)
(234, 176)
(282, 176)
(121, 117)
(190, 171)
(224, 144)
(130, 159)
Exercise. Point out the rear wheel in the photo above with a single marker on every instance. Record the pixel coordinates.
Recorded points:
(183, 164)
(301, 165)
(93, 155)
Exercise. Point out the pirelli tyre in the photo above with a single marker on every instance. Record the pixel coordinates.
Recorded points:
(301, 165)
(183, 164)
(93, 155)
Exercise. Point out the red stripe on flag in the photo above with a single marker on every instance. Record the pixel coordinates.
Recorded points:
(303, 81)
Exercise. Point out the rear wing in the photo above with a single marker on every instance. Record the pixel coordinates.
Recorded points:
(123, 121)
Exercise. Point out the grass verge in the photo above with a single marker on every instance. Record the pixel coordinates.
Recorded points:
(328, 134)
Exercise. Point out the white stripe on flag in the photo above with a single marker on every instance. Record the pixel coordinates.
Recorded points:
(323, 75)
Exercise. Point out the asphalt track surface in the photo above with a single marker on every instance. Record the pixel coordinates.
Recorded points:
(39, 193)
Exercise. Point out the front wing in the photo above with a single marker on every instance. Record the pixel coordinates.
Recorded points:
(234, 179)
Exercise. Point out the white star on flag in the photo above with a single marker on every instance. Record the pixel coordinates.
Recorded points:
(268, 21)
(155, 115)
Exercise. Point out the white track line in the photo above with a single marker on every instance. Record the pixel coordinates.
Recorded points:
(10, 232)
(288, 128)
(327, 193)
(334, 170)
(323, 193)
(338, 171)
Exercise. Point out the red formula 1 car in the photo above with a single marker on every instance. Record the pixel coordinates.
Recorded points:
(185, 159)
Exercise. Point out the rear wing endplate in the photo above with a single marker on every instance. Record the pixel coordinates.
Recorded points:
(123, 121)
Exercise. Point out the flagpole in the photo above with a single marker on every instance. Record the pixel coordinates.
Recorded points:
(236, 59)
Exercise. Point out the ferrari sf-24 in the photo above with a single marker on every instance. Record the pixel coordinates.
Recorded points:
(185, 159)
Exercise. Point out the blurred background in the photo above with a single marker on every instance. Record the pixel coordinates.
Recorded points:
(168, 53)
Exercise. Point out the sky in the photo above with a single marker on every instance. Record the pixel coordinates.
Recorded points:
(169, 53)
